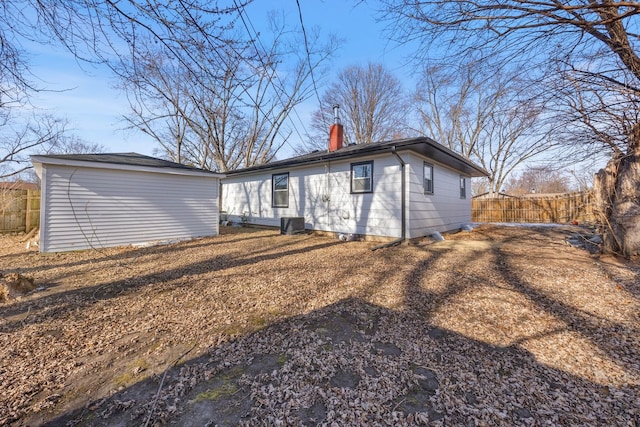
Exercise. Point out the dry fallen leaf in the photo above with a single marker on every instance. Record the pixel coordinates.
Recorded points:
(499, 326)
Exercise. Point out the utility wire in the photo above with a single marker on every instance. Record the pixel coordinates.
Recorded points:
(245, 88)
(282, 87)
(306, 47)
(258, 52)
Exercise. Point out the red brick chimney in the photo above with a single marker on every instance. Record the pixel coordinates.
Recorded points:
(336, 131)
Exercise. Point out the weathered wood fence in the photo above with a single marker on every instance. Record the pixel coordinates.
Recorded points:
(557, 209)
(19, 210)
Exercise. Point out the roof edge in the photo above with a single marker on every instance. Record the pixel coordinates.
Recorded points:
(69, 160)
(409, 144)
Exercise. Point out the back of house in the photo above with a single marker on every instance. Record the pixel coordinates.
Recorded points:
(404, 188)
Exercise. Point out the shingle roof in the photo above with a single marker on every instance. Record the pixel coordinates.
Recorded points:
(423, 145)
(129, 159)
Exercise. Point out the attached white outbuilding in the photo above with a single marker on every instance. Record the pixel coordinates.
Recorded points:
(101, 200)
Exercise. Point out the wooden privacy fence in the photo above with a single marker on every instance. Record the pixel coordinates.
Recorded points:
(557, 209)
(19, 210)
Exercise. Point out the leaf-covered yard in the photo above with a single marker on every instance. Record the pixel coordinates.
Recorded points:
(500, 326)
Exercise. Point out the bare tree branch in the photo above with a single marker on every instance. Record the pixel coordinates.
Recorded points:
(372, 103)
(480, 112)
(229, 119)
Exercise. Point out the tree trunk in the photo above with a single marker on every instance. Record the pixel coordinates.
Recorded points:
(617, 191)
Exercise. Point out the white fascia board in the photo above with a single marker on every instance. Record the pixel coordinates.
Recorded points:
(36, 160)
(37, 166)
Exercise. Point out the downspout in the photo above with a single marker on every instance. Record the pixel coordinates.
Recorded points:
(403, 202)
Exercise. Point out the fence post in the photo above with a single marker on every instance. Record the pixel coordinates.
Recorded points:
(27, 221)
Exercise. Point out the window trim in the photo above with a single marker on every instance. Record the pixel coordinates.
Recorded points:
(273, 190)
(463, 187)
(370, 163)
(424, 178)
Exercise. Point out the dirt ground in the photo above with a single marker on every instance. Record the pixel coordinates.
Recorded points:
(499, 326)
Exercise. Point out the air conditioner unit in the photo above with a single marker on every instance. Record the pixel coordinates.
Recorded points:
(291, 225)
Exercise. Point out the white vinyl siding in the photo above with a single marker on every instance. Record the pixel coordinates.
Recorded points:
(321, 194)
(87, 207)
(441, 211)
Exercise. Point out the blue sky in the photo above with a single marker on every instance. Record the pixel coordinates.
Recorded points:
(85, 96)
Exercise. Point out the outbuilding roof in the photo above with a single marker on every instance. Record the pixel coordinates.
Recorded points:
(422, 145)
(128, 161)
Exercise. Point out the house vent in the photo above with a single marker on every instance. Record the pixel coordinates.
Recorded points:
(291, 225)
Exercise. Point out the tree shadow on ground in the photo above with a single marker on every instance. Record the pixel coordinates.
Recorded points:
(59, 303)
(347, 362)
(129, 254)
(617, 341)
(353, 361)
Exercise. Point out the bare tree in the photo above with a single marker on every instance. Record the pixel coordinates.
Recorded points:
(14, 76)
(24, 130)
(38, 134)
(190, 49)
(236, 118)
(19, 139)
(538, 180)
(481, 112)
(373, 107)
(540, 33)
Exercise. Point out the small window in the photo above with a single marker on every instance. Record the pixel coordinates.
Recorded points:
(428, 178)
(362, 177)
(463, 187)
(280, 187)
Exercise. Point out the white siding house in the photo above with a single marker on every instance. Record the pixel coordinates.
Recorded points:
(101, 200)
(358, 190)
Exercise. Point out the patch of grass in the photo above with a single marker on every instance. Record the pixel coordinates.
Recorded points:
(155, 345)
(282, 359)
(232, 374)
(324, 348)
(131, 375)
(124, 380)
(88, 419)
(234, 329)
(277, 313)
(257, 322)
(225, 389)
(141, 364)
(504, 372)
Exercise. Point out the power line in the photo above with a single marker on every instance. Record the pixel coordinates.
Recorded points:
(306, 48)
(262, 62)
(240, 56)
(282, 87)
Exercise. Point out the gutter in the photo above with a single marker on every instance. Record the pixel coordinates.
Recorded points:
(403, 202)
(370, 149)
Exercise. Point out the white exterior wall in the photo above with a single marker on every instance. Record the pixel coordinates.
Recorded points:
(441, 211)
(322, 195)
(86, 207)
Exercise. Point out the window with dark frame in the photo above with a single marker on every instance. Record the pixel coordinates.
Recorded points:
(362, 177)
(463, 187)
(280, 190)
(428, 178)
